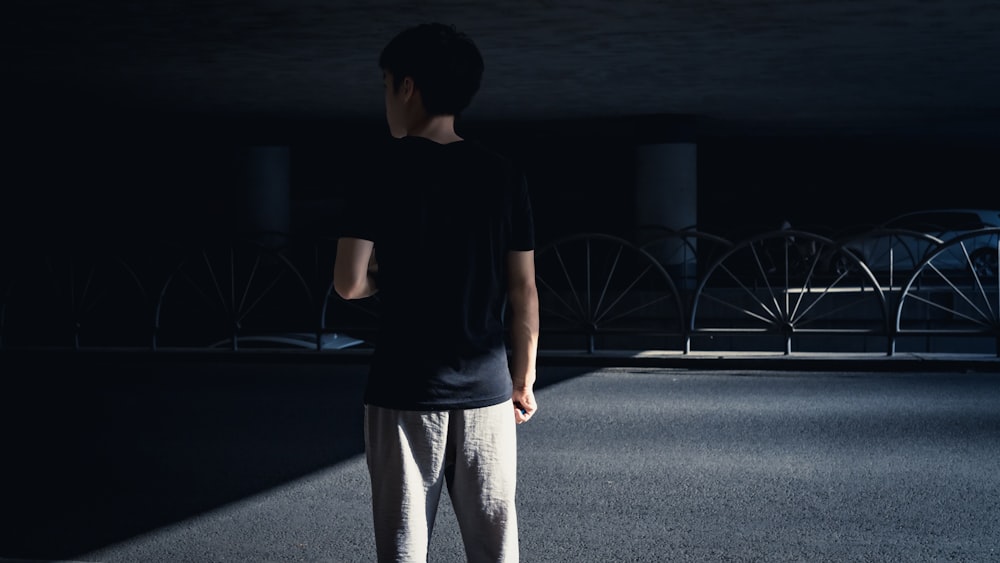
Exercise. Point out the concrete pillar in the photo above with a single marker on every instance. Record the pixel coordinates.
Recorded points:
(266, 209)
(667, 198)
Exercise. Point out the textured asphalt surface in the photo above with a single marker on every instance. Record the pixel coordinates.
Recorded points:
(262, 462)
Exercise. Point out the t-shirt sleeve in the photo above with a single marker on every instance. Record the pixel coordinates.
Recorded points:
(364, 201)
(357, 218)
(522, 225)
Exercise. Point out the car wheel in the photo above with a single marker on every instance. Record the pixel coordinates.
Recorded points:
(984, 263)
(844, 262)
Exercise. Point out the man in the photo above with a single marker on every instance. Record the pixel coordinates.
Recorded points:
(445, 237)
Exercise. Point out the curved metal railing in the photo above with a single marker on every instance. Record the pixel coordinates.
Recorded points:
(685, 291)
(603, 287)
(232, 292)
(782, 286)
(954, 291)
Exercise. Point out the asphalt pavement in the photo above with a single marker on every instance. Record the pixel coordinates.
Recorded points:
(261, 461)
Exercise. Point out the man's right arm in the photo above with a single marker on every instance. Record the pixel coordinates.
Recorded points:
(354, 268)
(522, 297)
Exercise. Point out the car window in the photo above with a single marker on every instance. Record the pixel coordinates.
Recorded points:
(938, 221)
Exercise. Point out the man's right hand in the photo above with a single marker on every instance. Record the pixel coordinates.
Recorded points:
(524, 405)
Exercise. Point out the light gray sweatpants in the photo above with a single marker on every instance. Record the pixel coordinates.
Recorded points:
(411, 454)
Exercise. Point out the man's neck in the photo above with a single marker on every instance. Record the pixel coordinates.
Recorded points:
(440, 129)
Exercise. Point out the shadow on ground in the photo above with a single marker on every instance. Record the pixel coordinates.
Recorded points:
(101, 448)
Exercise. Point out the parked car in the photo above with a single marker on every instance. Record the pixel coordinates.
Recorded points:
(946, 223)
(899, 244)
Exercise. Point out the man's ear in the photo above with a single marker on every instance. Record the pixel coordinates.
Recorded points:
(407, 89)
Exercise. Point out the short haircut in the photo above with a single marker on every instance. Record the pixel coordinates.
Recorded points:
(444, 64)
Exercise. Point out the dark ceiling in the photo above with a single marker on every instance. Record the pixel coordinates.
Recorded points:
(742, 66)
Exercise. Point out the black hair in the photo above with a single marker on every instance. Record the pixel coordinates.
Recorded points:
(444, 64)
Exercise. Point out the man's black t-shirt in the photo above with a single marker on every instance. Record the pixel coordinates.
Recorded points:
(442, 217)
